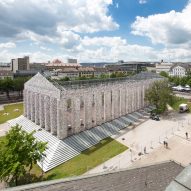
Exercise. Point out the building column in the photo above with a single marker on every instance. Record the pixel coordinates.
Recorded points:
(88, 111)
(53, 115)
(47, 113)
(133, 99)
(25, 101)
(37, 120)
(28, 105)
(98, 108)
(123, 101)
(76, 124)
(32, 99)
(42, 112)
(115, 103)
(127, 100)
(107, 106)
(62, 126)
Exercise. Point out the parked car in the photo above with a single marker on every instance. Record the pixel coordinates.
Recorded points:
(155, 117)
(183, 108)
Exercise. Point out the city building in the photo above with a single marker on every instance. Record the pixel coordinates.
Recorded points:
(6, 74)
(180, 69)
(71, 73)
(20, 64)
(127, 67)
(5, 66)
(163, 67)
(58, 64)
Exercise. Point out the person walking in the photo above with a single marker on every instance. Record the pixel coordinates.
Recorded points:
(186, 135)
(145, 150)
(164, 142)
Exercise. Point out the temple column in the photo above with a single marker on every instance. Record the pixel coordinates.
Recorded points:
(76, 124)
(32, 99)
(62, 126)
(127, 100)
(114, 102)
(42, 112)
(98, 108)
(53, 115)
(88, 111)
(28, 105)
(47, 113)
(123, 101)
(136, 97)
(25, 102)
(107, 106)
(120, 101)
(37, 108)
(133, 99)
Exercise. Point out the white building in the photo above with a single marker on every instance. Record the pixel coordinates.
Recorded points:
(163, 67)
(179, 70)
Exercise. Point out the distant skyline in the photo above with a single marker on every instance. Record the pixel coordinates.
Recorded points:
(96, 30)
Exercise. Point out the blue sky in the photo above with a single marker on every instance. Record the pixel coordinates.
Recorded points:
(96, 30)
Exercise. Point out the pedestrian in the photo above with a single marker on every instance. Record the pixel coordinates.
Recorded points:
(186, 135)
(164, 142)
(145, 150)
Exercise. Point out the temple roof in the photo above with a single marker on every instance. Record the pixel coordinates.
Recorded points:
(77, 84)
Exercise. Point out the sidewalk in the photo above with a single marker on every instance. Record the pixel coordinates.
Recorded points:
(151, 135)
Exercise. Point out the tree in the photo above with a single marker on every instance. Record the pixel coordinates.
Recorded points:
(18, 84)
(113, 75)
(164, 74)
(7, 86)
(159, 95)
(20, 152)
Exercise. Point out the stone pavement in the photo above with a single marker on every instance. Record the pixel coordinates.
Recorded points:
(4, 128)
(151, 135)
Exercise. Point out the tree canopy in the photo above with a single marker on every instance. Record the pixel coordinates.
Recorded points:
(159, 95)
(20, 152)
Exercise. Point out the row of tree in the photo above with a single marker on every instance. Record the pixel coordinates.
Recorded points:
(102, 76)
(177, 80)
(7, 85)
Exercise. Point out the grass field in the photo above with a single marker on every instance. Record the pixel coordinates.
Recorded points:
(87, 160)
(12, 114)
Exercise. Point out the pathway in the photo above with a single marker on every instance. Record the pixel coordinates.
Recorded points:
(151, 134)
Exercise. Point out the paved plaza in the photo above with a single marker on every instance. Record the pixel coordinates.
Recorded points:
(4, 128)
(151, 135)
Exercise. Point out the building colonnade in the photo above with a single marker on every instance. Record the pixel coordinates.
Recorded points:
(91, 107)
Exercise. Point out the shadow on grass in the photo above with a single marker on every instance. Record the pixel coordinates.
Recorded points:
(50, 177)
(27, 179)
(98, 146)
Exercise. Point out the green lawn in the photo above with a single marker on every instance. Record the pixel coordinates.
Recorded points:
(12, 114)
(87, 160)
(180, 100)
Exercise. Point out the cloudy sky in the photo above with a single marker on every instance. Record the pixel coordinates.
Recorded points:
(96, 30)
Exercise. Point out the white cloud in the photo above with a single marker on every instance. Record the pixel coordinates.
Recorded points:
(168, 28)
(37, 19)
(142, 1)
(7, 45)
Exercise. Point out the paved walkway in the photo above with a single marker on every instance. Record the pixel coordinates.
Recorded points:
(4, 128)
(151, 135)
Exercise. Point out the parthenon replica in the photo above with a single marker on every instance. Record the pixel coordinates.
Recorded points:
(67, 108)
